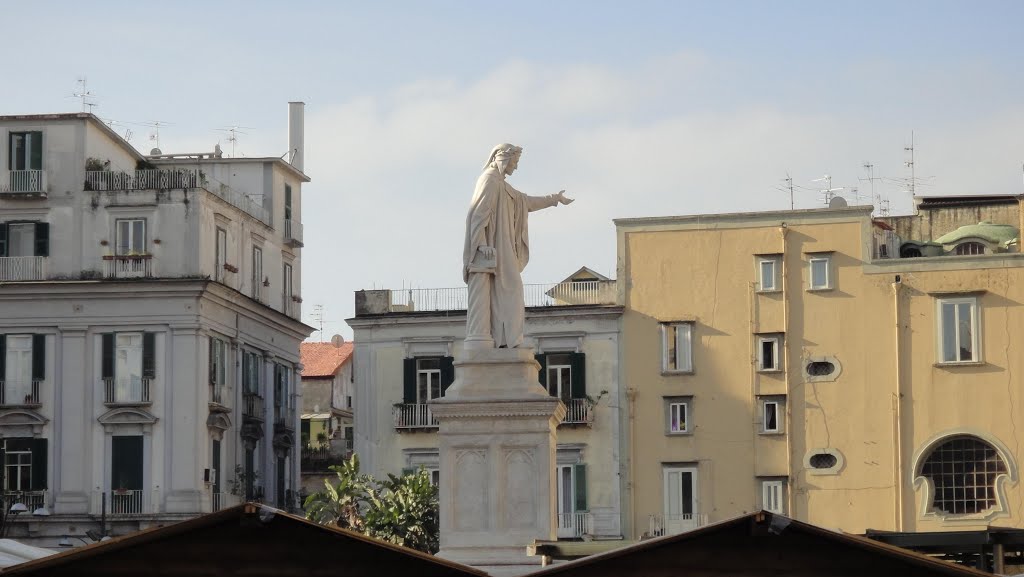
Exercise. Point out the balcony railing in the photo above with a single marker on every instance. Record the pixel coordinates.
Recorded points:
(19, 394)
(252, 406)
(31, 499)
(660, 525)
(127, 502)
(284, 415)
(578, 412)
(414, 416)
(128, 266)
(218, 394)
(164, 178)
(319, 458)
(126, 391)
(293, 232)
(535, 295)
(18, 268)
(23, 182)
(575, 525)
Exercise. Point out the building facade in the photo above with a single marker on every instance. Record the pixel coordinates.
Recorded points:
(326, 419)
(793, 361)
(406, 343)
(149, 321)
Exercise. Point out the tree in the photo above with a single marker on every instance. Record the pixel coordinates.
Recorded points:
(400, 510)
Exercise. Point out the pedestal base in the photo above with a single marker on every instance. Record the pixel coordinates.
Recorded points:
(497, 459)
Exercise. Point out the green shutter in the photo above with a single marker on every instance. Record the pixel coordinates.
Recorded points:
(149, 355)
(580, 474)
(3, 357)
(39, 462)
(108, 356)
(42, 239)
(3, 239)
(126, 462)
(542, 373)
(447, 373)
(406, 471)
(38, 357)
(409, 383)
(35, 152)
(578, 378)
(212, 364)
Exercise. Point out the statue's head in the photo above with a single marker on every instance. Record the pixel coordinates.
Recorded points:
(505, 157)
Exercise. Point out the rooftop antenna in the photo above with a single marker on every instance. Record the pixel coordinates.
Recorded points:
(318, 317)
(154, 135)
(86, 96)
(233, 132)
(789, 188)
(828, 191)
(883, 203)
(910, 163)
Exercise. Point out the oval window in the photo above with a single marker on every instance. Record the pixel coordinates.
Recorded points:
(823, 461)
(820, 368)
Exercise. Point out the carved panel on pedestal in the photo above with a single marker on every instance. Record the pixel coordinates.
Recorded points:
(470, 483)
(519, 490)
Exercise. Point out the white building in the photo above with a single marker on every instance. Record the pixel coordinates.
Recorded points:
(405, 345)
(149, 327)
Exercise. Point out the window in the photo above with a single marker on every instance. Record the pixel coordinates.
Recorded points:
(910, 252)
(967, 248)
(220, 272)
(768, 273)
(772, 410)
(768, 353)
(958, 330)
(257, 271)
(563, 375)
(963, 472)
(823, 461)
(215, 469)
(26, 151)
(559, 376)
(678, 417)
(428, 379)
(820, 272)
(681, 501)
(218, 368)
(287, 287)
(435, 477)
(571, 496)
(25, 465)
(22, 368)
(677, 352)
(131, 236)
(282, 391)
(128, 366)
(251, 381)
(287, 202)
(24, 239)
(772, 496)
(126, 473)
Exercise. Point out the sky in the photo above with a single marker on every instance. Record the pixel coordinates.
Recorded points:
(640, 108)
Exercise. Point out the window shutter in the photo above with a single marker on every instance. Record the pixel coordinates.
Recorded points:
(3, 357)
(3, 239)
(35, 152)
(38, 357)
(39, 462)
(149, 355)
(578, 362)
(447, 373)
(213, 363)
(42, 239)
(542, 374)
(108, 356)
(580, 475)
(409, 388)
(406, 471)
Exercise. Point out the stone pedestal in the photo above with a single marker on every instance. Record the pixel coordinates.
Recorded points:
(497, 452)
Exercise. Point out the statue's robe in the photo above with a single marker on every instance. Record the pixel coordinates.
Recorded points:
(498, 218)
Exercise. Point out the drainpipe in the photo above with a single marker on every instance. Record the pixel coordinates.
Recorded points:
(787, 367)
(631, 399)
(897, 432)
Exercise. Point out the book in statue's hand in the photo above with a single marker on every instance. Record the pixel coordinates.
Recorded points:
(483, 263)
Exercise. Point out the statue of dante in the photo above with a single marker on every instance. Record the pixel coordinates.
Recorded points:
(496, 252)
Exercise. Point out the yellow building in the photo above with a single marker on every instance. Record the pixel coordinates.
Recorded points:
(792, 361)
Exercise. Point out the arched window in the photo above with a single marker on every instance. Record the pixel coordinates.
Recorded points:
(963, 472)
(910, 252)
(970, 248)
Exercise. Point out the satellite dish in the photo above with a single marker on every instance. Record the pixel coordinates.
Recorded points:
(155, 152)
(837, 202)
(337, 341)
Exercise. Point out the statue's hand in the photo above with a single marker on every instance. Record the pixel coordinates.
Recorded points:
(487, 252)
(564, 199)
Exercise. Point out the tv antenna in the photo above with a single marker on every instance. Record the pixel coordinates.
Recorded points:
(882, 203)
(85, 95)
(910, 163)
(788, 187)
(828, 191)
(318, 318)
(233, 132)
(154, 135)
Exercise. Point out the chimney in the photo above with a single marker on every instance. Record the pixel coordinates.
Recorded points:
(296, 131)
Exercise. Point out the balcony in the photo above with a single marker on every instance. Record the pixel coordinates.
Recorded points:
(284, 416)
(318, 459)
(127, 266)
(454, 299)
(28, 183)
(31, 499)
(293, 233)
(126, 391)
(661, 525)
(412, 416)
(218, 398)
(19, 394)
(22, 268)
(252, 406)
(578, 413)
(126, 502)
(162, 179)
(575, 525)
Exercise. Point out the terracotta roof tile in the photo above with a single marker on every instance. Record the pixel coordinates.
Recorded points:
(324, 359)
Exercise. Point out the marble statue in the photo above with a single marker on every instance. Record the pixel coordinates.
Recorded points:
(496, 252)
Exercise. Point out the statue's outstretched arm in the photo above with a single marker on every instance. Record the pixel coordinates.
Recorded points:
(540, 202)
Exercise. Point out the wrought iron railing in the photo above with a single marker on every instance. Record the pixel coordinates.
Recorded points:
(578, 412)
(660, 525)
(219, 501)
(293, 232)
(129, 390)
(31, 499)
(125, 502)
(252, 405)
(19, 394)
(23, 182)
(128, 266)
(414, 416)
(18, 268)
(575, 525)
